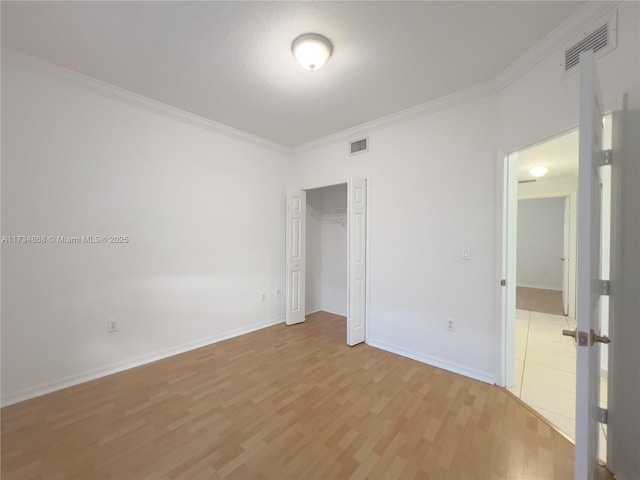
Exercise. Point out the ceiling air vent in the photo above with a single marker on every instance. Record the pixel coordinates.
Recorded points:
(601, 39)
(359, 146)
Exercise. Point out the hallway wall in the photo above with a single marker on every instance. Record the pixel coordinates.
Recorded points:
(540, 243)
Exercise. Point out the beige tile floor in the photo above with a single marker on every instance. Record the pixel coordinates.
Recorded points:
(545, 373)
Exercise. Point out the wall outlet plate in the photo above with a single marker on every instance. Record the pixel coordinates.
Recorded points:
(112, 325)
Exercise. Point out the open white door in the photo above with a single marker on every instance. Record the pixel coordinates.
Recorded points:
(357, 239)
(295, 245)
(565, 255)
(589, 285)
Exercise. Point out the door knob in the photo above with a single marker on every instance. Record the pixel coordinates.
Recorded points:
(595, 338)
(585, 340)
(581, 338)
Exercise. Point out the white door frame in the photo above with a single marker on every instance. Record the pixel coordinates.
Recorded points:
(567, 258)
(368, 242)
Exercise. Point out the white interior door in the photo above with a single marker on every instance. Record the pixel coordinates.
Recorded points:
(565, 255)
(295, 245)
(589, 283)
(357, 243)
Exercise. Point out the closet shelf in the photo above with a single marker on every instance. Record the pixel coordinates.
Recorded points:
(332, 216)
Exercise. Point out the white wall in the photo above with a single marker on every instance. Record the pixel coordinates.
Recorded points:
(313, 278)
(192, 203)
(540, 243)
(329, 251)
(334, 268)
(432, 185)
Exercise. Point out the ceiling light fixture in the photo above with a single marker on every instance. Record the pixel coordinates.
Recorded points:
(538, 172)
(311, 50)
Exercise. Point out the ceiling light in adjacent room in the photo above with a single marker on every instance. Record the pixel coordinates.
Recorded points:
(311, 50)
(538, 172)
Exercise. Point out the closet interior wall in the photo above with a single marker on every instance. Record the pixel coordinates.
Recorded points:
(326, 281)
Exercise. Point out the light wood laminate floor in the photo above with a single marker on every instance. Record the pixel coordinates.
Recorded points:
(282, 402)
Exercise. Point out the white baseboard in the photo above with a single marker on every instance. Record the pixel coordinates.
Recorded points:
(54, 385)
(342, 314)
(316, 310)
(539, 287)
(435, 361)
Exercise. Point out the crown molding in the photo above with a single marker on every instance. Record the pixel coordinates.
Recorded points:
(558, 38)
(581, 19)
(43, 68)
(422, 110)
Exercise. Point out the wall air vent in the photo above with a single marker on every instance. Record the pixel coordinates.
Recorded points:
(601, 38)
(596, 41)
(359, 146)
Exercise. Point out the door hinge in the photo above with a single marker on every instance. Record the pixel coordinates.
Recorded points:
(606, 287)
(603, 415)
(503, 282)
(606, 158)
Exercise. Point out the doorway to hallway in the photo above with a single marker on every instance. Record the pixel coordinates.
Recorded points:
(543, 244)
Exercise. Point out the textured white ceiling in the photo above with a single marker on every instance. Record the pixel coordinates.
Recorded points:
(231, 62)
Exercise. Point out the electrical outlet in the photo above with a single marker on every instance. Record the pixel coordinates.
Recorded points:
(263, 297)
(112, 325)
(450, 325)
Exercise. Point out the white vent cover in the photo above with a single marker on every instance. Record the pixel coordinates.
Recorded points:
(596, 41)
(359, 146)
(601, 38)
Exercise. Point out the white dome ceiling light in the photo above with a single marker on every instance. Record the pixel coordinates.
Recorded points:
(311, 50)
(539, 171)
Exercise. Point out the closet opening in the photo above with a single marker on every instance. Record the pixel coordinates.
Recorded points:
(326, 247)
(326, 295)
